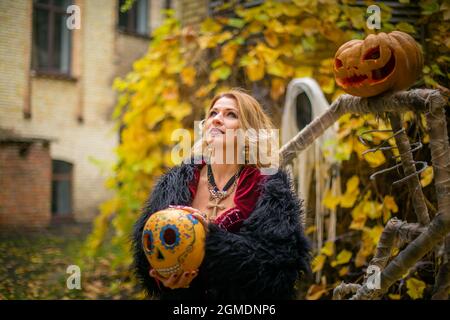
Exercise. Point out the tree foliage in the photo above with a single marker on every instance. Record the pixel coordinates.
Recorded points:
(262, 48)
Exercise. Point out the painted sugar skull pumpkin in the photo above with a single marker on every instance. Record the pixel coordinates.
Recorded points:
(379, 63)
(173, 241)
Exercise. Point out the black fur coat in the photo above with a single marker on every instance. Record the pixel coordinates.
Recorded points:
(260, 261)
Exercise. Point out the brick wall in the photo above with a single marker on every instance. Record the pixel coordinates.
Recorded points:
(55, 103)
(25, 184)
(100, 53)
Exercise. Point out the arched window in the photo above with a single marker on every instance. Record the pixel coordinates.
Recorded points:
(62, 177)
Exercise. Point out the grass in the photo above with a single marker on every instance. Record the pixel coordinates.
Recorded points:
(33, 265)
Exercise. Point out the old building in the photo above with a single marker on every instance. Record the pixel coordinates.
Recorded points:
(56, 100)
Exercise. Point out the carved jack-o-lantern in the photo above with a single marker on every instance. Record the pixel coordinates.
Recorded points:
(173, 241)
(379, 63)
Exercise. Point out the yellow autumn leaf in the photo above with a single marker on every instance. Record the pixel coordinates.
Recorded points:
(415, 288)
(188, 76)
(315, 292)
(423, 120)
(365, 249)
(181, 110)
(170, 92)
(318, 262)
(337, 94)
(344, 271)
(255, 27)
(269, 55)
(389, 203)
(359, 217)
(303, 71)
(358, 223)
(348, 199)
(426, 176)
(373, 209)
(277, 89)
(375, 159)
(344, 149)
(167, 128)
(394, 296)
(310, 230)
(153, 116)
(342, 258)
(167, 160)
(395, 251)
(229, 51)
(326, 65)
(204, 90)
(280, 69)
(255, 72)
(375, 234)
(291, 10)
(330, 201)
(386, 214)
(328, 248)
(326, 83)
(352, 184)
(210, 25)
(271, 38)
(220, 73)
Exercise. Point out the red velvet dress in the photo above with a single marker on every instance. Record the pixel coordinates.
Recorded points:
(248, 190)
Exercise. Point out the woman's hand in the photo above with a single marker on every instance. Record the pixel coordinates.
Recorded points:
(196, 214)
(175, 281)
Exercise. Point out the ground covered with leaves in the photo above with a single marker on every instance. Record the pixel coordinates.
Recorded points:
(33, 265)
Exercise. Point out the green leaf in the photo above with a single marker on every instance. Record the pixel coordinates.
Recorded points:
(429, 7)
(405, 27)
(236, 22)
(437, 70)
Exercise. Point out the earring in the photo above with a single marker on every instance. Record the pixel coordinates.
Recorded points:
(202, 125)
(209, 151)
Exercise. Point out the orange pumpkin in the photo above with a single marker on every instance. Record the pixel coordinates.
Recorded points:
(379, 63)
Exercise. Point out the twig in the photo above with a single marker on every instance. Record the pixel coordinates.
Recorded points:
(418, 100)
(410, 170)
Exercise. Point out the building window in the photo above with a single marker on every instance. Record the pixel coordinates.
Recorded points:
(62, 173)
(135, 19)
(168, 4)
(51, 37)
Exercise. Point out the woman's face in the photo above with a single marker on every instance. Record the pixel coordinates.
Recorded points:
(223, 115)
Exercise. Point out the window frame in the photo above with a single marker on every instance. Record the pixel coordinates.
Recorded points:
(52, 10)
(132, 24)
(58, 177)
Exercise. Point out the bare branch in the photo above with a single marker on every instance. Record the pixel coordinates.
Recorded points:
(395, 234)
(409, 169)
(344, 289)
(418, 100)
(442, 284)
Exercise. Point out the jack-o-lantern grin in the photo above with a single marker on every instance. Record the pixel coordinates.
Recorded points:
(379, 63)
(374, 76)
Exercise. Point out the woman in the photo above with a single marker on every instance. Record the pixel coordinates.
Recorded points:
(255, 247)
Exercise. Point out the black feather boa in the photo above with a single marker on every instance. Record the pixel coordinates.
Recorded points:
(261, 261)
